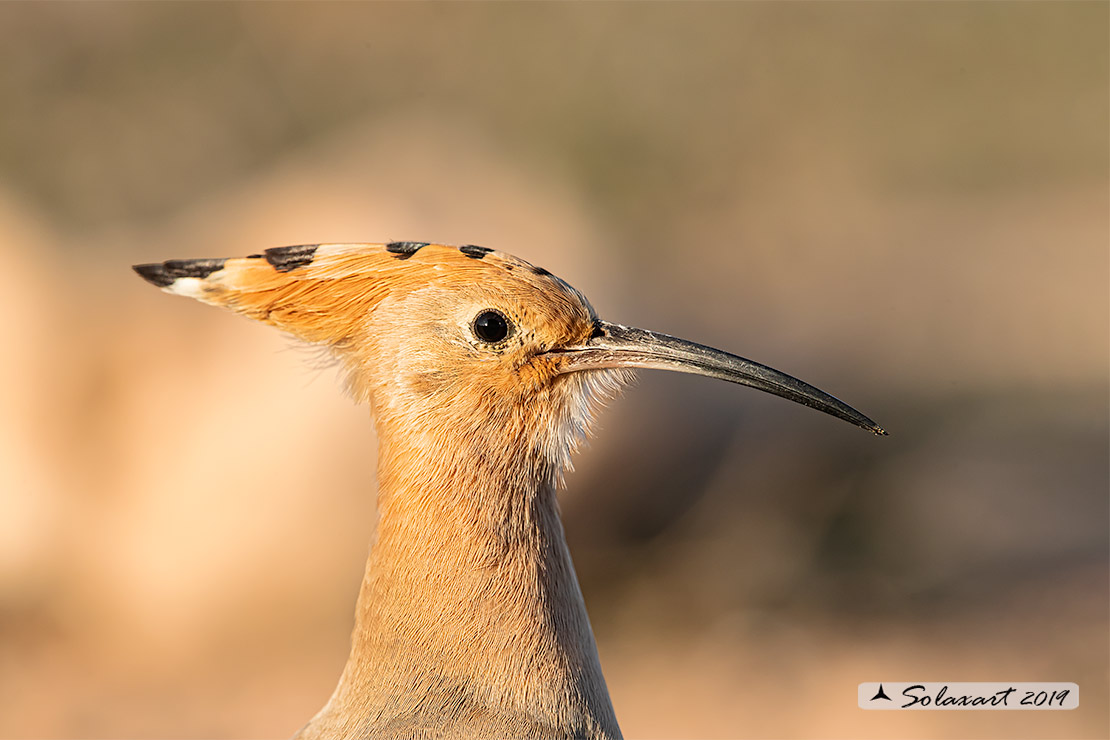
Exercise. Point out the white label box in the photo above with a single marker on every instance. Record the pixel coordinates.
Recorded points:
(956, 695)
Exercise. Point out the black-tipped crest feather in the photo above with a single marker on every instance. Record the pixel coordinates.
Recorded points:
(284, 259)
(164, 274)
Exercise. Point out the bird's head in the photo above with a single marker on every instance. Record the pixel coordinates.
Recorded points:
(464, 343)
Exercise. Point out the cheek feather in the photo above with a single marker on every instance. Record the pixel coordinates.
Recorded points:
(532, 377)
(577, 397)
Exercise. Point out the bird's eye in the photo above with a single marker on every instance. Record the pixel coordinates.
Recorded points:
(491, 326)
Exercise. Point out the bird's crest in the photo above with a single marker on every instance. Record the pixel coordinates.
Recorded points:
(321, 293)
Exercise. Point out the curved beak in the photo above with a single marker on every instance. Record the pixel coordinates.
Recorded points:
(614, 346)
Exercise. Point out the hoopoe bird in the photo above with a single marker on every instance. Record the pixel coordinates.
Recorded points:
(483, 373)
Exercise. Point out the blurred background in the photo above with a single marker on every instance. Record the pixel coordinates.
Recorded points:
(904, 204)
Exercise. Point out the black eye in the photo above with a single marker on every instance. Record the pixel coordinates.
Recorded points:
(491, 326)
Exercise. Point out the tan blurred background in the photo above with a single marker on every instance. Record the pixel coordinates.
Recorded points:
(905, 204)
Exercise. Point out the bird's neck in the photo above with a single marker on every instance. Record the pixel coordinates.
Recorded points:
(470, 620)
